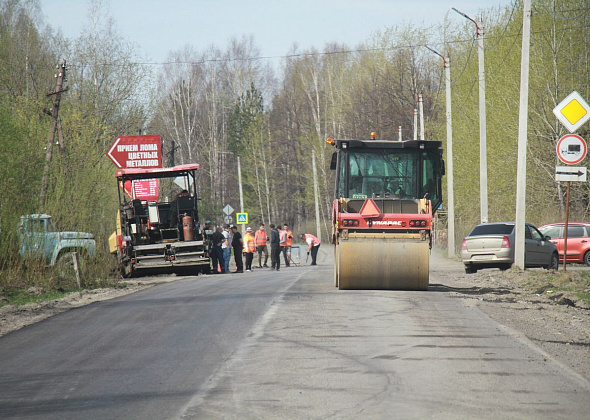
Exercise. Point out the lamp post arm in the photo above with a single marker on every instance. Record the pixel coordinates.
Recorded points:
(467, 17)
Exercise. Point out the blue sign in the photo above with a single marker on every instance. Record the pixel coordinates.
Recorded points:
(242, 218)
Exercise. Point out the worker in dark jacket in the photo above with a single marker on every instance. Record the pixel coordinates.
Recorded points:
(275, 248)
(216, 251)
(237, 244)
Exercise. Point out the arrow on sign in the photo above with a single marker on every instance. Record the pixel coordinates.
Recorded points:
(579, 173)
(570, 173)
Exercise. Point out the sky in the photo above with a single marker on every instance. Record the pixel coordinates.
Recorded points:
(161, 26)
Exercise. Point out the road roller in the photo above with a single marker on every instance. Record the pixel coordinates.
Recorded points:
(386, 195)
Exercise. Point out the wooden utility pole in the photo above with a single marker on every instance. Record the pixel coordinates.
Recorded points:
(55, 124)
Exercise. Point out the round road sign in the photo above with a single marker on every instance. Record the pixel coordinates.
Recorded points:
(571, 149)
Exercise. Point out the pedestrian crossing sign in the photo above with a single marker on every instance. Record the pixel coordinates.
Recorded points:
(242, 218)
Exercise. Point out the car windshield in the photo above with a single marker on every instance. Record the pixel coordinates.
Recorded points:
(492, 229)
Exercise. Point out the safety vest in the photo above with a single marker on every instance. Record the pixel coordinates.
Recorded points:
(283, 238)
(289, 241)
(249, 243)
(260, 237)
(315, 240)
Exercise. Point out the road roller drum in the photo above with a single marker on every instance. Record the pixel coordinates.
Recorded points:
(382, 264)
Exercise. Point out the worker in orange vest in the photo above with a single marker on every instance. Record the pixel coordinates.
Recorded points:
(287, 244)
(260, 239)
(249, 247)
(313, 244)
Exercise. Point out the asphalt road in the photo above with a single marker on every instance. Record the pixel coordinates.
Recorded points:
(268, 345)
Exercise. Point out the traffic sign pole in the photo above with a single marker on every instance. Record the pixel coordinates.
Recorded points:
(572, 112)
(567, 216)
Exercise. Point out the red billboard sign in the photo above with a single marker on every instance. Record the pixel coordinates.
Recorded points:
(137, 152)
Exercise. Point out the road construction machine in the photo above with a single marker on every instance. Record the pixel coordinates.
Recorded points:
(386, 195)
(158, 222)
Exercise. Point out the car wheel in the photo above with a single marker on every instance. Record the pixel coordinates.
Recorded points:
(470, 269)
(587, 258)
(554, 264)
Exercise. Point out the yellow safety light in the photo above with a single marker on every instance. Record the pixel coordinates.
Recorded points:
(373, 135)
(330, 141)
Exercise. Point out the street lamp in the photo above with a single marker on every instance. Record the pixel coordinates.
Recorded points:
(483, 161)
(450, 193)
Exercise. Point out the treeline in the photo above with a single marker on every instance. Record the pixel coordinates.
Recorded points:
(212, 106)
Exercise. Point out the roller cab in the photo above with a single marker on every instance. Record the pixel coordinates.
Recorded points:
(386, 195)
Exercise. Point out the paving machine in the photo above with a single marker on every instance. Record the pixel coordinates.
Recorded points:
(386, 195)
(156, 230)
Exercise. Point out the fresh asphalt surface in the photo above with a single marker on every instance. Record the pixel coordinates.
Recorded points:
(286, 345)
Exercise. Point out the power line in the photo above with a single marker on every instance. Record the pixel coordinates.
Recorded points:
(312, 54)
(556, 16)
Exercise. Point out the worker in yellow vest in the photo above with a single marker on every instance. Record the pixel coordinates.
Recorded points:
(313, 244)
(287, 244)
(260, 239)
(249, 247)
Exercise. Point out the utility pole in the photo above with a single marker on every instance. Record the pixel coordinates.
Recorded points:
(483, 160)
(450, 188)
(241, 192)
(523, 113)
(316, 193)
(54, 125)
(415, 124)
(421, 106)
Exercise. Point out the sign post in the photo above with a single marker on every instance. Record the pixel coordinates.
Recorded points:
(227, 210)
(572, 112)
(571, 149)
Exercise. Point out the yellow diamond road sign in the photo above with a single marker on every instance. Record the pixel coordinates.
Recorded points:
(573, 111)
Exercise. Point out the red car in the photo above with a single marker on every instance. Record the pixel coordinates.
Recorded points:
(578, 240)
